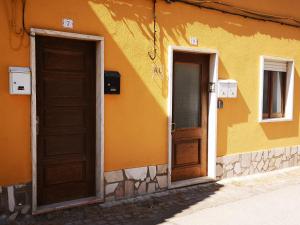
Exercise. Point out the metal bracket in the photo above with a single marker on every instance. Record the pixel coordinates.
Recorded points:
(211, 87)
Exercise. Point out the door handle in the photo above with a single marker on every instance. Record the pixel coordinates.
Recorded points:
(37, 122)
(173, 127)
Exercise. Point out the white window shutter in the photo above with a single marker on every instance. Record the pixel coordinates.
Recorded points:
(274, 65)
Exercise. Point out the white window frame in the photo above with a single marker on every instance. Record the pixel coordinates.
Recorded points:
(289, 97)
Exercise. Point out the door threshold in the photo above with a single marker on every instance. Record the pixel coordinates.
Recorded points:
(193, 181)
(65, 205)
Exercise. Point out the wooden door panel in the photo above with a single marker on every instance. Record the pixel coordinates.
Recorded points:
(66, 111)
(56, 193)
(59, 102)
(64, 88)
(64, 173)
(58, 117)
(187, 152)
(72, 61)
(55, 145)
(190, 133)
(190, 99)
(187, 172)
(64, 131)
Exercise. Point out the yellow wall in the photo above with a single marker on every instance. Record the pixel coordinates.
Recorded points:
(136, 120)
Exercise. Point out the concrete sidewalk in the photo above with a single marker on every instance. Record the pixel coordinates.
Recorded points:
(279, 207)
(271, 198)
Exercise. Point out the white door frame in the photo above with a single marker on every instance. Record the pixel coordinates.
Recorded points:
(99, 118)
(212, 115)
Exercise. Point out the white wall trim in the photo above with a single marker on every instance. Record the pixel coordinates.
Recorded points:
(99, 107)
(62, 34)
(289, 98)
(212, 112)
(33, 123)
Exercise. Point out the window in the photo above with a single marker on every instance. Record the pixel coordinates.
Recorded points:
(277, 83)
(274, 94)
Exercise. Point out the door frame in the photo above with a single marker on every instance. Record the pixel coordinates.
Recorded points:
(99, 179)
(212, 115)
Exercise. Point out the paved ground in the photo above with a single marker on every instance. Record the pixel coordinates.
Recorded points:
(273, 198)
(273, 208)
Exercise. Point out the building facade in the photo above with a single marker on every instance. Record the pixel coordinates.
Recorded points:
(207, 92)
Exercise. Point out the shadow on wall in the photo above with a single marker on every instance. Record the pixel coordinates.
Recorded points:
(236, 25)
(230, 114)
(289, 129)
(135, 121)
(174, 30)
(137, 18)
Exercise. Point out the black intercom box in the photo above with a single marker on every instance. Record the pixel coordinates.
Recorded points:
(112, 82)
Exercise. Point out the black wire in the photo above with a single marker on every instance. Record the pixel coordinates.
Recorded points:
(248, 11)
(248, 14)
(153, 57)
(13, 23)
(23, 19)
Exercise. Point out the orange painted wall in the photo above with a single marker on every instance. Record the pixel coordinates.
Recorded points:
(136, 120)
(15, 158)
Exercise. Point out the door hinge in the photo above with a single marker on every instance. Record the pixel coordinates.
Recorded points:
(211, 87)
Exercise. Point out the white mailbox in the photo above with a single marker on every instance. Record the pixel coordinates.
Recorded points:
(222, 89)
(19, 81)
(227, 88)
(232, 89)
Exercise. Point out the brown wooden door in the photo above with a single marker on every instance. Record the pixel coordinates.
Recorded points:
(66, 114)
(189, 125)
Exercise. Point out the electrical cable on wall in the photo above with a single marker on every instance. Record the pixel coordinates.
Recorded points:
(13, 23)
(23, 28)
(153, 56)
(234, 10)
(23, 18)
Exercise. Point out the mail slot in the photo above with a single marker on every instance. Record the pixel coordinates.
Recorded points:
(112, 82)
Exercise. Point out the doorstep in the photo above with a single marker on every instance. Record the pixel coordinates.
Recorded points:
(66, 205)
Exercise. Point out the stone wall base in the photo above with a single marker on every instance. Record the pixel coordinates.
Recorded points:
(257, 162)
(128, 183)
(15, 198)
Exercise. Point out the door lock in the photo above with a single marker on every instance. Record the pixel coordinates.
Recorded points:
(173, 127)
